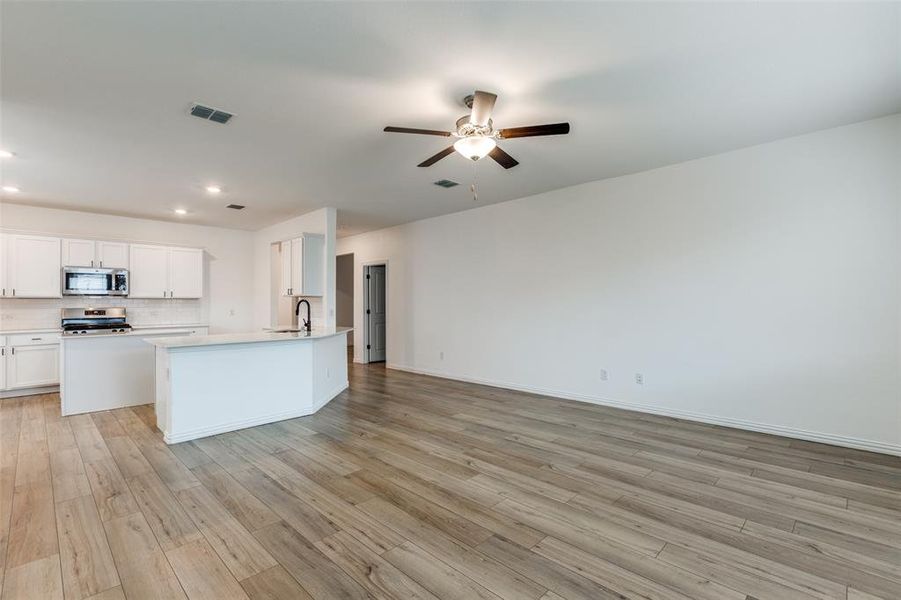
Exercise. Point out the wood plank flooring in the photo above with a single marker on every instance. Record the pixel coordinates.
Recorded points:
(414, 487)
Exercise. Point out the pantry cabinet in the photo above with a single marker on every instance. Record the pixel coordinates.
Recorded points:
(303, 265)
(165, 272)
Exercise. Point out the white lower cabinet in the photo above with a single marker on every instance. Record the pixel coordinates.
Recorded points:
(29, 360)
(32, 366)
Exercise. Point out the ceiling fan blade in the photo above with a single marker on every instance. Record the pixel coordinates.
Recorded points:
(390, 129)
(482, 105)
(433, 159)
(502, 158)
(535, 130)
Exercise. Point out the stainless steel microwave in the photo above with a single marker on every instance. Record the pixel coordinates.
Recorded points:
(84, 281)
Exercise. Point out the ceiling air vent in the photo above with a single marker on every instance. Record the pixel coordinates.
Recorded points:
(446, 183)
(210, 114)
(236, 206)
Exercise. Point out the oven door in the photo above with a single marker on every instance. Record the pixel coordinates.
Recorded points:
(79, 281)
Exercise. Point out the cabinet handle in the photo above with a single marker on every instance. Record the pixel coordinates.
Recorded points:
(13, 350)
(14, 291)
(36, 339)
(92, 262)
(101, 264)
(164, 293)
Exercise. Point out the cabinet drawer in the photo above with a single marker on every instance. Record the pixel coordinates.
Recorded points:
(32, 339)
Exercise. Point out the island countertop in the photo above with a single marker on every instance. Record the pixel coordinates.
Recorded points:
(246, 338)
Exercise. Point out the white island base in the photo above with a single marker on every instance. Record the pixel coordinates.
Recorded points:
(212, 384)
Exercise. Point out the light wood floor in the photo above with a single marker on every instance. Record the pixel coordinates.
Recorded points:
(413, 487)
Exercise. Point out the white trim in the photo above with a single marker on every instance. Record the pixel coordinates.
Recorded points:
(34, 391)
(201, 432)
(781, 430)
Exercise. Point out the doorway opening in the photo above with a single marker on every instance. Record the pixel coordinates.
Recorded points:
(375, 312)
(344, 296)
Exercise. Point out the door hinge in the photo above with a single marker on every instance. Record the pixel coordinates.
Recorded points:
(367, 275)
(368, 347)
(368, 311)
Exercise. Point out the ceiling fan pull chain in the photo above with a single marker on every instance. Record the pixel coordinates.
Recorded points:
(472, 188)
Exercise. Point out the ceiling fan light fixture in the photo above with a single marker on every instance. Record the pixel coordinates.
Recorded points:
(475, 147)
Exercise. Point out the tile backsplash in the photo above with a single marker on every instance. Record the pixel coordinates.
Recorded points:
(34, 313)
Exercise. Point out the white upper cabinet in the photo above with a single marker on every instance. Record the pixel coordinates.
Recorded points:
(5, 289)
(148, 275)
(164, 272)
(285, 254)
(32, 266)
(112, 255)
(185, 273)
(303, 265)
(78, 253)
(91, 253)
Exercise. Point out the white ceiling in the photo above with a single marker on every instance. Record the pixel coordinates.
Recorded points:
(95, 97)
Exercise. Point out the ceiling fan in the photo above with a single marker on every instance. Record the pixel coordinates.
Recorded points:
(476, 135)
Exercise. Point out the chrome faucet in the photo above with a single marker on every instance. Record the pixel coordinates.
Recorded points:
(308, 322)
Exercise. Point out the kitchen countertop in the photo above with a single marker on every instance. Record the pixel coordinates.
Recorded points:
(246, 338)
(59, 330)
(137, 331)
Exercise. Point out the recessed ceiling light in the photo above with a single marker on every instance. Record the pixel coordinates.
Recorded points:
(213, 189)
(10, 188)
(6, 154)
(180, 211)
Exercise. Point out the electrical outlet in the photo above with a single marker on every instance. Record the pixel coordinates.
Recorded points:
(603, 374)
(639, 379)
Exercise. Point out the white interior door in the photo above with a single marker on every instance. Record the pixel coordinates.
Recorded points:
(376, 312)
(148, 271)
(185, 273)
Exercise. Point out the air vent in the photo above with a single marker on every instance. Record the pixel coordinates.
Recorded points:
(236, 206)
(446, 183)
(210, 114)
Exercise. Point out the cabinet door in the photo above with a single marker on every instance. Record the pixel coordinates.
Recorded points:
(148, 271)
(112, 255)
(5, 289)
(285, 255)
(2, 367)
(313, 265)
(297, 267)
(33, 267)
(79, 253)
(32, 366)
(185, 273)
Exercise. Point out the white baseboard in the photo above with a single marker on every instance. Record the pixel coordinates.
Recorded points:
(48, 389)
(201, 432)
(781, 430)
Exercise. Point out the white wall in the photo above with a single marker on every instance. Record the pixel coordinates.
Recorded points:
(758, 288)
(266, 312)
(227, 302)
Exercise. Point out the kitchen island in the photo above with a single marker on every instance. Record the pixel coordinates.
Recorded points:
(211, 384)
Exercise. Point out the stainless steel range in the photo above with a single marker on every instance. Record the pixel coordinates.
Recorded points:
(87, 321)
